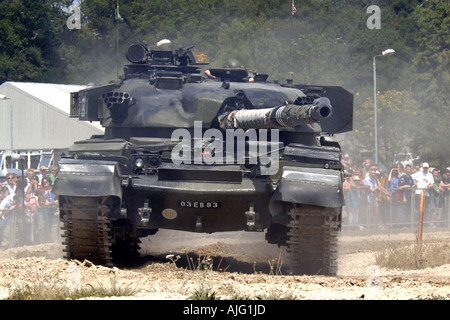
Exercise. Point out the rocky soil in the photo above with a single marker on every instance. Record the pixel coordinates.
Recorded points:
(239, 267)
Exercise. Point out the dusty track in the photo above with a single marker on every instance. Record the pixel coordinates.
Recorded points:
(235, 259)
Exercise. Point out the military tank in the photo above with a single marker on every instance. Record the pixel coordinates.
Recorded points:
(185, 152)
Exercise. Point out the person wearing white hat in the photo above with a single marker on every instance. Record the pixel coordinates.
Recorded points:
(423, 180)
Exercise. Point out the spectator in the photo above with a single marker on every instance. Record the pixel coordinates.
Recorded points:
(346, 161)
(6, 202)
(383, 198)
(354, 199)
(346, 186)
(53, 173)
(30, 220)
(366, 168)
(4, 195)
(11, 182)
(42, 173)
(22, 219)
(21, 184)
(33, 186)
(435, 194)
(30, 208)
(50, 206)
(423, 181)
(5, 199)
(397, 196)
(416, 167)
(393, 180)
(39, 217)
(400, 169)
(30, 173)
(445, 184)
(405, 185)
(372, 186)
(49, 195)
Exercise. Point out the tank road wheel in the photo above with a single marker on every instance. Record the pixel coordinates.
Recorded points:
(90, 234)
(312, 239)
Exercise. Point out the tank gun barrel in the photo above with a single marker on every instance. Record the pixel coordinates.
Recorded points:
(288, 115)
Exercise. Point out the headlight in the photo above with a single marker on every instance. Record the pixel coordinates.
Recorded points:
(139, 163)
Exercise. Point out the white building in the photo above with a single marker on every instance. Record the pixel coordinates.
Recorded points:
(34, 120)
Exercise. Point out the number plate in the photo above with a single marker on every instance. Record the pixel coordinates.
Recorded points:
(199, 204)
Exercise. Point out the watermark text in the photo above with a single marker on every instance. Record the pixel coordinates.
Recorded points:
(236, 146)
(74, 20)
(374, 21)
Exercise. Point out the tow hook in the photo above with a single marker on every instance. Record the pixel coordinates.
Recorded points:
(145, 212)
(251, 217)
(199, 223)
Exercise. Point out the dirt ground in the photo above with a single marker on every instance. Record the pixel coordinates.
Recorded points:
(240, 268)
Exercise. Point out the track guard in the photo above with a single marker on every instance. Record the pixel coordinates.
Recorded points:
(88, 178)
(312, 186)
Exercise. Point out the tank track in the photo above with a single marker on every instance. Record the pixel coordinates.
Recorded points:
(87, 229)
(312, 240)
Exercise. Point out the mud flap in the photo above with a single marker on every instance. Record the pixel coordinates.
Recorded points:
(312, 186)
(88, 178)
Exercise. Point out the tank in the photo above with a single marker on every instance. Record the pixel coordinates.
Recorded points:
(182, 151)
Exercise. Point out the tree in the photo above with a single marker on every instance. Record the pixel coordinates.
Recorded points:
(325, 42)
(29, 33)
(432, 81)
(397, 117)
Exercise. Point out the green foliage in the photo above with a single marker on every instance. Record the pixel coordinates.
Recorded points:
(396, 114)
(432, 79)
(29, 37)
(325, 42)
(204, 294)
(408, 257)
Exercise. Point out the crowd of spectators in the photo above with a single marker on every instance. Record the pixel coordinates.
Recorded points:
(377, 198)
(28, 208)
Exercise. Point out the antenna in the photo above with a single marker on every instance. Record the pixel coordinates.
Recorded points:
(118, 18)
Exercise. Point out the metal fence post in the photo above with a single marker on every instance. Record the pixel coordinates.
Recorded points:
(12, 232)
(421, 218)
(447, 207)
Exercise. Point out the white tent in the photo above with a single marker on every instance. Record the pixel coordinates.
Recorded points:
(34, 119)
(36, 116)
